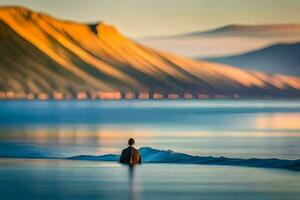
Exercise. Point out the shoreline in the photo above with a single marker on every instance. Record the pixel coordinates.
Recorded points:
(154, 156)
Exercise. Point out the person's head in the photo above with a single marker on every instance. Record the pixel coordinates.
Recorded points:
(131, 142)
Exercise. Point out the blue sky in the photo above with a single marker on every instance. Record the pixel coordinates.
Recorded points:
(137, 18)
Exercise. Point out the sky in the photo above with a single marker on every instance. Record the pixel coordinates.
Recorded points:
(140, 18)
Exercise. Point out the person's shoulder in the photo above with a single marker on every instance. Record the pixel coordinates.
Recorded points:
(126, 149)
(134, 149)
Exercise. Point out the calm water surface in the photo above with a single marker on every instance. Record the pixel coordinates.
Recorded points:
(59, 179)
(229, 128)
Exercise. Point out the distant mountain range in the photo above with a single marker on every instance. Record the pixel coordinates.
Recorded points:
(227, 40)
(150, 155)
(45, 57)
(266, 30)
(279, 58)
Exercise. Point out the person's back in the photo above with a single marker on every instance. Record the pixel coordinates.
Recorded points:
(130, 155)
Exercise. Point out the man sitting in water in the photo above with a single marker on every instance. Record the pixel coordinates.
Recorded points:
(130, 155)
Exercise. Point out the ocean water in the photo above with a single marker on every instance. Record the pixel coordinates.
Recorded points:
(65, 179)
(229, 128)
(239, 129)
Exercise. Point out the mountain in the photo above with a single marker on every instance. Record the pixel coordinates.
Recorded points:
(279, 58)
(45, 57)
(150, 155)
(227, 40)
(266, 30)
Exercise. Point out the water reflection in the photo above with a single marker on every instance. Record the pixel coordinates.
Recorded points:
(278, 121)
(133, 186)
(218, 128)
(77, 180)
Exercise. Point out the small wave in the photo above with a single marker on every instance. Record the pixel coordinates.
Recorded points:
(150, 155)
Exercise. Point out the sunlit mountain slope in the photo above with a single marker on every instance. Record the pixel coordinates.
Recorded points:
(41, 54)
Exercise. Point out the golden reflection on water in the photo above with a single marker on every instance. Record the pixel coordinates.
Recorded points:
(279, 124)
(285, 121)
(107, 137)
(111, 138)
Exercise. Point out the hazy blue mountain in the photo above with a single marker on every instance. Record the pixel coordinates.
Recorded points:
(264, 30)
(279, 58)
(227, 40)
(150, 155)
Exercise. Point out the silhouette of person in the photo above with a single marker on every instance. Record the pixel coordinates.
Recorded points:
(130, 155)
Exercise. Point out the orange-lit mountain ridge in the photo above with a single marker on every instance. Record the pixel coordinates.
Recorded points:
(41, 54)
